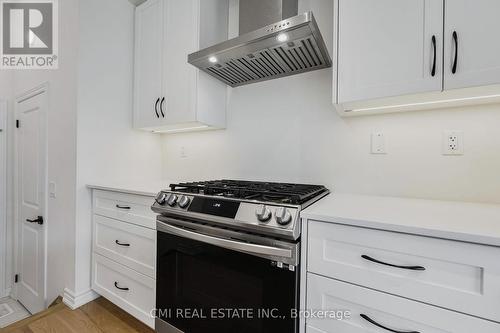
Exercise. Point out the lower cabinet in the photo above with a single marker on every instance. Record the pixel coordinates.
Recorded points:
(366, 280)
(128, 244)
(130, 290)
(124, 252)
(373, 311)
(459, 276)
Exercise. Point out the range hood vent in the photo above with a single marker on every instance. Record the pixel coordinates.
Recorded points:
(291, 46)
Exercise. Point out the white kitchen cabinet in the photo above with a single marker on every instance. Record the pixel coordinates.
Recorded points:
(477, 29)
(171, 95)
(129, 244)
(124, 251)
(455, 275)
(423, 267)
(126, 288)
(148, 64)
(388, 48)
(372, 311)
(384, 55)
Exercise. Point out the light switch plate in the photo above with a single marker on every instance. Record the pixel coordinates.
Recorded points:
(52, 190)
(183, 152)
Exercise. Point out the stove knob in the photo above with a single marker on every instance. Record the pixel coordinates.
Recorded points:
(263, 213)
(283, 216)
(172, 200)
(184, 201)
(161, 198)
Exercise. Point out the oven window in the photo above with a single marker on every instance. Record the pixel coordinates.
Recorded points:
(204, 288)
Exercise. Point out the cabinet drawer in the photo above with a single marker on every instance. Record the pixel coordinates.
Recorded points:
(393, 312)
(459, 276)
(125, 243)
(138, 300)
(131, 208)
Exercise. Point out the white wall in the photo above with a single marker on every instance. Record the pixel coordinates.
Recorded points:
(61, 145)
(108, 150)
(287, 130)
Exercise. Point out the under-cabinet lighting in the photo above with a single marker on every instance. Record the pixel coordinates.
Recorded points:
(212, 59)
(388, 107)
(185, 129)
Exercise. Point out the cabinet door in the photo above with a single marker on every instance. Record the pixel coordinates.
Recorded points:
(179, 78)
(477, 28)
(148, 64)
(385, 48)
(368, 309)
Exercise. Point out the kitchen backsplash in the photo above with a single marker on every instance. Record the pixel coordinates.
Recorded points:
(287, 130)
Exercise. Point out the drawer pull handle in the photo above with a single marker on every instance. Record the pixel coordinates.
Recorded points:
(122, 207)
(121, 244)
(413, 268)
(371, 321)
(120, 288)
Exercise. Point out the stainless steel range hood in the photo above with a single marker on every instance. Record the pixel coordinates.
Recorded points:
(293, 45)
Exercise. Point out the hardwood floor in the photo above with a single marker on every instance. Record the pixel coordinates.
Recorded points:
(99, 316)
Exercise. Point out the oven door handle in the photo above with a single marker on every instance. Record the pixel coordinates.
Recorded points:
(226, 243)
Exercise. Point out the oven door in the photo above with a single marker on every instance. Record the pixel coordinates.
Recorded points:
(212, 280)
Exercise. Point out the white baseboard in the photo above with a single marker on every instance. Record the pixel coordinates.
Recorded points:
(75, 301)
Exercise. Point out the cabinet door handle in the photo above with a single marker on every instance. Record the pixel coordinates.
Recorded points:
(412, 268)
(373, 322)
(455, 62)
(120, 288)
(121, 244)
(156, 108)
(161, 107)
(122, 207)
(434, 46)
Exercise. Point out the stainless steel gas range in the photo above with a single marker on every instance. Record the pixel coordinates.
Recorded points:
(228, 256)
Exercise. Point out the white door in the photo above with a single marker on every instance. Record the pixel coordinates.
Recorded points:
(389, 48)
(148, 64)
(179, 78)
(475, 27)
(31, 111)
(3, 197)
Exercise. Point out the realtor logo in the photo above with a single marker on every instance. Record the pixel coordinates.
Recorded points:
(28, 34)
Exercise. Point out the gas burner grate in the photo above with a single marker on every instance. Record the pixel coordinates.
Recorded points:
(286, 193)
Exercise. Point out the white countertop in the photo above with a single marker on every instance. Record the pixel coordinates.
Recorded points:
(463, 221)
(149, 189)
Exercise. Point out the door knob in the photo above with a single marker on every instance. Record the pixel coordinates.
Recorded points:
(38, 220)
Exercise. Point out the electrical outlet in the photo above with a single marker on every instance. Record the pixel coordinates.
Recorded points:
(453, 143)
(378, 143)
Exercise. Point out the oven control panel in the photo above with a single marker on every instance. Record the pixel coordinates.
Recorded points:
(269, 218)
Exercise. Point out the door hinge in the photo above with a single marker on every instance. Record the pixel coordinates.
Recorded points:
(16, 278)
(18, 124)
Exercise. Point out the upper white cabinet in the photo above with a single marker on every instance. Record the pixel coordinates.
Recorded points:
(170, 95)
(148, 64)
(475, 27)
(394, 55)
(389, 48)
